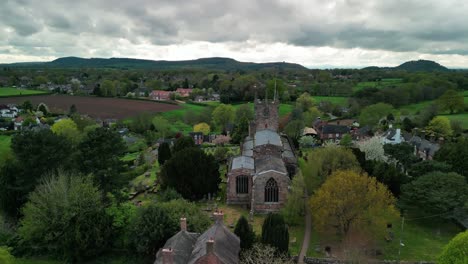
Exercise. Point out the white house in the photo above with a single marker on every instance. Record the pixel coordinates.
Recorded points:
(392, 136)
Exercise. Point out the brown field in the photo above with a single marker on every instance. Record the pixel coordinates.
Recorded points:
(96, 107)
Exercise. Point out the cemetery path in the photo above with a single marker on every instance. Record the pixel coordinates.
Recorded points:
(308, 230)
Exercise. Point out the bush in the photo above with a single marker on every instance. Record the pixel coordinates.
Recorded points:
(244, 231)
(456, 251)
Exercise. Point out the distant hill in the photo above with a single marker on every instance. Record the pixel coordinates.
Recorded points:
(419, 65)
(215, 63)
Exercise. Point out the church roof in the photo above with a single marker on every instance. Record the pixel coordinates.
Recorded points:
(226, 244)
(267, 136)
(242, 162)
(268, 163)
(181, 244)
(247, 148)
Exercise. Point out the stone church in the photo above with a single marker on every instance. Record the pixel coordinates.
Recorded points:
(260, 177)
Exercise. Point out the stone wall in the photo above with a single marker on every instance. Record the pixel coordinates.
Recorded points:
(259, 192)
(231, 194)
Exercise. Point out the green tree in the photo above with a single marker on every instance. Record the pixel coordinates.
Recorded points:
(424, 167)
(162, 125)
(455, 154)
(245, 232)
(108, 88)
(350, 201)
(100, 153)
(27, 106)
(435, 193)
(197, 220)
(305, 102)
(275, 232)
(43, 108)
(456, 251)
(65, 216)
(191, 173)
(164, 153)
(182, 143)
(35, 153)
(346, 141)
(149, 230)
(372, 114)
(223, 115)
(241, 130)
(402, 153)
(294, 129)
(244, 111)
(67, 128)
(295, 204)
(452, 100)
(6, 257)
(440, 125)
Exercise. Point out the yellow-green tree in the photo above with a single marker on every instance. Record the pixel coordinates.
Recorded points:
(223, 115)
(440, 125)
(351, 201)
(456, 251)
(202, 127)
(305, 102)
(67, 128)
(452, 100)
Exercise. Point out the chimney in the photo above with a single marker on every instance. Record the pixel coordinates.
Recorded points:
(218, 216)
(168, 256)
(210, 246)
(183, 224)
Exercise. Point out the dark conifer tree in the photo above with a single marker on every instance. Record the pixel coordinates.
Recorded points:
(245, 232)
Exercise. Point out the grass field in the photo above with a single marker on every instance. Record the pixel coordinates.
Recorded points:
(5, 142)
(381, 84)
(10, 91)
(462, 118)
(414, 108)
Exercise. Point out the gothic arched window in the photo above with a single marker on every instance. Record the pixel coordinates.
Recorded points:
(271, 191)
(242, 184)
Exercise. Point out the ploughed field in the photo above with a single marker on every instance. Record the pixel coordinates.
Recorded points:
(96, 107)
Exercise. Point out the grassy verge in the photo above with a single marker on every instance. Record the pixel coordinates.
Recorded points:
(10, 91)
(5, 142)
(462, 118)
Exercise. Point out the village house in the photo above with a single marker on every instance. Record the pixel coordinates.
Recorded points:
(197, 137)
(423, 148)
(326, 131)
(217, 245)
(184, 92)
(260, 177)
(160, 95)
(392, 136)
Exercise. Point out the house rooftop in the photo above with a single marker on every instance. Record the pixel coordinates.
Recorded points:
(181, 244)
(242, 162)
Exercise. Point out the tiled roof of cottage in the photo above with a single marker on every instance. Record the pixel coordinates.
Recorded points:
(181, 244)
(242, 162)
(423, 144)
(335, 129)
(267, 136)
(226, 244)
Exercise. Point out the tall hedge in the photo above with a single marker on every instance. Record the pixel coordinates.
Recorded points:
(275, 232)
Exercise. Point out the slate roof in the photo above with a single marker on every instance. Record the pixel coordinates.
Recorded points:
(247, 148)
(181, 244)
(268, 162)
(242, 162)
(287, 150)
(423, 144)
(335, 129)
(267, 136)
(226, 244)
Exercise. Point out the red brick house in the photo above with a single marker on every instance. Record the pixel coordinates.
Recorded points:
(160, 95)
(184, 92)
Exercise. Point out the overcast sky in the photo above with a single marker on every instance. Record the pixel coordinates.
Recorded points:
(314, 33)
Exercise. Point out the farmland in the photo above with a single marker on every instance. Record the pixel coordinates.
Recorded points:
(379, 84)
(10, 91)
(96, 107)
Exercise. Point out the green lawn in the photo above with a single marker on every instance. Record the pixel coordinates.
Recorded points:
(414, 108)
(338, 100)
(179, 114)
(10, 91)
(462, 118)
(381, 84)
(422, 240)
(5, 142)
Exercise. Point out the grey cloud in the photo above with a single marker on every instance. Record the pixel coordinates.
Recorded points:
(436, 27)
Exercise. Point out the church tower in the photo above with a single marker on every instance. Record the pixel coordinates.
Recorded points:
(266, 114)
